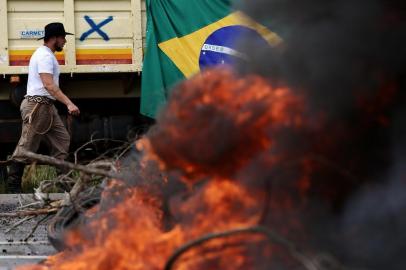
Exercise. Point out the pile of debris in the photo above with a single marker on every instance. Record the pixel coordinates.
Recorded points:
(33, 225)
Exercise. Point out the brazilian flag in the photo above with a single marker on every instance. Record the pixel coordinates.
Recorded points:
(186, 36)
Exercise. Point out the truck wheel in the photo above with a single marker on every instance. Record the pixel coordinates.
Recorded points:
(17, 94)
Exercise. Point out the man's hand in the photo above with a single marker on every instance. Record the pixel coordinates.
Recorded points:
(73, 109)
(56, 92)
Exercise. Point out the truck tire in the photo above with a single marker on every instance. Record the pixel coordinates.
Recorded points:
(17, 94)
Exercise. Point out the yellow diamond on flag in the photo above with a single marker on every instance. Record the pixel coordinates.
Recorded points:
(185, 52)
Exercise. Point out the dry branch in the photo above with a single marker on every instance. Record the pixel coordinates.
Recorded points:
(5, 162)
(93, 141)
(34, 229)
(15, 225)
(79, 186)
(67, 165)
(27, 213)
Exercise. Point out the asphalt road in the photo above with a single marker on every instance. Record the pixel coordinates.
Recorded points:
(14, 250)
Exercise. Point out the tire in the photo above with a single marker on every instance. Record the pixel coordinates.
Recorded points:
(68, 217)
(17, 94)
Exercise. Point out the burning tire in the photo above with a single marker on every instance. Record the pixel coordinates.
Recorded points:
(72, 216)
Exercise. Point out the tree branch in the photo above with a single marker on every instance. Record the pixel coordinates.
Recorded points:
(29, 213)
(68, 165)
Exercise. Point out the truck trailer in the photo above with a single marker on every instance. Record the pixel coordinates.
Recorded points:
(100, 64)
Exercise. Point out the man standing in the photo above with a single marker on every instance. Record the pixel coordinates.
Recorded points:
(41, 121)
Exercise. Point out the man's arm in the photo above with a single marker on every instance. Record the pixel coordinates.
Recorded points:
(56, 92)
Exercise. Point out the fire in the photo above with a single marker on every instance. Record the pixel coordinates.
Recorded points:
(217, 122)
(216, 128)
(130, 236)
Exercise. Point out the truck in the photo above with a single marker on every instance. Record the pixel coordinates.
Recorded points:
(100, 65)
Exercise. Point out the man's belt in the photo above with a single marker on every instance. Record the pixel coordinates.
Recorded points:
(40, 99)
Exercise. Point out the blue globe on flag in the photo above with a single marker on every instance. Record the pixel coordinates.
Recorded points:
(221, 47)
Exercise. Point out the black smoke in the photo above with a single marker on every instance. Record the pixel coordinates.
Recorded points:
(347, 57)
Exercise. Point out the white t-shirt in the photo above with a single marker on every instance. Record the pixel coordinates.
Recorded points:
(42, 61)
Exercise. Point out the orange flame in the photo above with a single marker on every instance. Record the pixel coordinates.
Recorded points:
(218, 121)
(214, 125)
